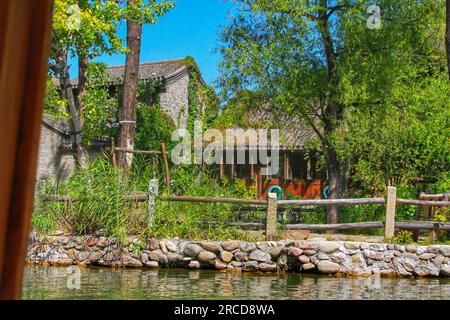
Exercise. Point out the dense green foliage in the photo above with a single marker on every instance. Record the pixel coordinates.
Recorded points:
(199, 220)
(99, 107)
(54, 105)
(100, 204)
(378, 98)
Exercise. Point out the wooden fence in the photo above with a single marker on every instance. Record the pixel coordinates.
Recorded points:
(390, 201)
(390, 224)
(272, 204)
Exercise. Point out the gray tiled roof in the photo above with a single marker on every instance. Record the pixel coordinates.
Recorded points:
(158, 70)
(293, 131)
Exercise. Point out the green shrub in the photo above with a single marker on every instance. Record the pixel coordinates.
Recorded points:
(403, 237)
(197, 220)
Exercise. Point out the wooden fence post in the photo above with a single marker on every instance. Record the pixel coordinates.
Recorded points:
(113, 152)
(389, 227)
(152, 194)
(166, 165)
(271, 222)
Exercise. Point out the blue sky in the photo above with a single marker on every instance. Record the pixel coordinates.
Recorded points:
(189, 29)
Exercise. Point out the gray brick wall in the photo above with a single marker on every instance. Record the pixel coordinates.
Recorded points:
(53, 161)
(174, 100)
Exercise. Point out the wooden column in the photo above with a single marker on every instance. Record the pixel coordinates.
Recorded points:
(222, 170)
(25, 28)
(260, 184)
(389, 228)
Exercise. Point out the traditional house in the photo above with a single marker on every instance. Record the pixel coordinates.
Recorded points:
(173, 78)
(298, 175)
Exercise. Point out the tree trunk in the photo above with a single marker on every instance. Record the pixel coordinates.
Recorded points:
(333, 114)
(82, 79)
(447, 36)
(127, 116)
(66, 89)
(335, 184)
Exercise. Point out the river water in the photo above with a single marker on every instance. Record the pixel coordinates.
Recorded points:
(105, 283)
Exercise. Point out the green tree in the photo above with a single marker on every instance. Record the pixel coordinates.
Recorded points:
(321, 58)
(138, 12)
(84, 29)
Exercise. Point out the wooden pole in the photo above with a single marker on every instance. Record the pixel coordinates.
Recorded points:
(214, 200)
(152, 194)
(259, 186)
(332, 202)
(113, 152)
(166, 165)
(389, 228)
(222, 170)
(410, 225)
(25, 29)
(138, 151)
(271, 222)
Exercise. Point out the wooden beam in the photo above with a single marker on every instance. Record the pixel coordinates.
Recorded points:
(64, 198)
(331, 202)
(25, 29)
(412, 225)
(424, 203)
(139, 151)
(213, 200)
(338, 226)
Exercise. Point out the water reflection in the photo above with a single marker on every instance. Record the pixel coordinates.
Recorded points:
(103, 283)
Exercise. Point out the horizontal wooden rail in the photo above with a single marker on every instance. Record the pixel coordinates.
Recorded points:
(422, 225)
(336, 226)
(412, 225)
(312, 202)
(138, 151)
(248, 225)
(213, 200)
(424, 203)
(331, 202)
(439, 196)
(59, 198)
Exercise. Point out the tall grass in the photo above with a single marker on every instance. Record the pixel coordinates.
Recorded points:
(100, 205)
(198, 220)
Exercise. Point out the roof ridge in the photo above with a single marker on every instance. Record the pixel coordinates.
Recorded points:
(147, 63)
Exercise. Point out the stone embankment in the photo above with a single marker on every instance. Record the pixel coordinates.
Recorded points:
(328, 257)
